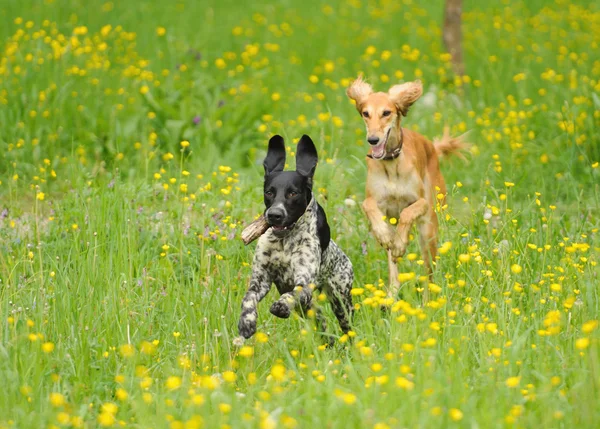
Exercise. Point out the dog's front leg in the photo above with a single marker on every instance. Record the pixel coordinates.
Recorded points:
(260, 284)
(381, 230)
(305, 265)
(407, 217)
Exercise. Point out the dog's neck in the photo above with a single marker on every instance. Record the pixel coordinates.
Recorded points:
(310, 209)
(393, 146)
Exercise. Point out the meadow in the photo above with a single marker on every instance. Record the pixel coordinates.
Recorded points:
(131, 141)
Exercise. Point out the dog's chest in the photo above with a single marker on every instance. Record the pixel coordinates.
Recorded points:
(285, 258)
(394, 190)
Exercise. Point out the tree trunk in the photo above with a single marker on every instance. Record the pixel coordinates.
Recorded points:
(452, 34)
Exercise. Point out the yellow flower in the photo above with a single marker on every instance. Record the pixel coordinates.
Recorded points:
(173, 383)
(147, 348)
(366, 351)
(261, 337)
(229, 376)
(48, 347)
(349, 398)
(185, 143)
(445, 248)
(121, 394)
(589, 326)
(434, 288)
(225, 408)
(127, 350)
(40, 196)
(106, 419)
(516, 268)
(278, 372)
(246, 351)
(161, 31)
(404, 277)
(63, 418)
(582, 343)
(456, 414)
(109, 408)
(512, 381)
(404, 383)
(464, 257)
(57, 399)
(197, 399)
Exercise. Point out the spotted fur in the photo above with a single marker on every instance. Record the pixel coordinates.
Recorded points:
(298, 263)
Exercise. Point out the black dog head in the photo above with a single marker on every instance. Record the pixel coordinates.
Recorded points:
(288, 193)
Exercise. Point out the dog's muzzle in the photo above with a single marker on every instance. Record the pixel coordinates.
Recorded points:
(275, 218)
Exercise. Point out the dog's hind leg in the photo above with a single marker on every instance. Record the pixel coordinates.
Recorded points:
(394, 283)
(315, 312)
(341, 303)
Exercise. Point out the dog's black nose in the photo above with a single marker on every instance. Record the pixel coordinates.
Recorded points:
(275, 216)
(373, 140)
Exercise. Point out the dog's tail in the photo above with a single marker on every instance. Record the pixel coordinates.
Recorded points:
(447, 145)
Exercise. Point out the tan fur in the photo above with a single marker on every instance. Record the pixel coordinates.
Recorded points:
(404, 188)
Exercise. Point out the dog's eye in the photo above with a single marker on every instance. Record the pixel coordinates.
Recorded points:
(269, 194)
(292, 194)
(386, 113)
(365, 114)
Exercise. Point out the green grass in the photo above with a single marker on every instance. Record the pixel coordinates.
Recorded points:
(121, 267)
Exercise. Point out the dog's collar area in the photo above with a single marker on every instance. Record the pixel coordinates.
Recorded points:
(393, 154)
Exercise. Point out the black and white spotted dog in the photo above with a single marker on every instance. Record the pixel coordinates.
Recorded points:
(296, 252)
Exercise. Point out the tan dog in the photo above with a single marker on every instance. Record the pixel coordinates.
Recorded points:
(403, 174)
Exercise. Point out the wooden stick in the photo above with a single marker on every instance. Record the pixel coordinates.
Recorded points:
(254, 230)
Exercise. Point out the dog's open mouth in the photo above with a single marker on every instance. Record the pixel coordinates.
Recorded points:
(378, 151)
(280, 229)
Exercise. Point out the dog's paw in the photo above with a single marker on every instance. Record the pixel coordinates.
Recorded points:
(247, 325)
(383, 236)
(280, 309)
(399, 248)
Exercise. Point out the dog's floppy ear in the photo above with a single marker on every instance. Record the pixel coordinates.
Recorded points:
(404, 95)
(306, 157)
(358, 91)
(275, 159)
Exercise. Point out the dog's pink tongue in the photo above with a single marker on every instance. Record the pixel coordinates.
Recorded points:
(378, 151)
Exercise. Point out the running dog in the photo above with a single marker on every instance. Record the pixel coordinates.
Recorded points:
(403, 175)
(296, 252)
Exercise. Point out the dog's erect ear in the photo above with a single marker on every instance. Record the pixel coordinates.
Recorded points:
(404, 95)
(306, 157)
(275, 159)
(358, 91)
